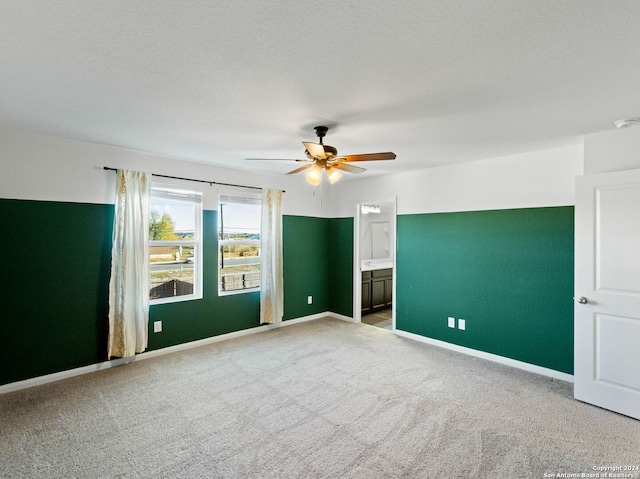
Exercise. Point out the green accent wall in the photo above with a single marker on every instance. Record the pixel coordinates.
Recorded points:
(55, 283)
(340, 244)
(508, 273)
(304, 272)
(305, 266)
(186, 321)
(54, 286)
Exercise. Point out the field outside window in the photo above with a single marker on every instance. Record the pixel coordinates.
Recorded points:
(174, 245)
(239, 243)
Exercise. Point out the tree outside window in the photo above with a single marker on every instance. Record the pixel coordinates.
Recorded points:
(175, 220)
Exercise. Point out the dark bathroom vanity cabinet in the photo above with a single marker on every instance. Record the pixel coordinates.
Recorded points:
(377, 289)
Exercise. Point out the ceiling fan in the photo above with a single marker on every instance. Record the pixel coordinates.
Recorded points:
(321, 157)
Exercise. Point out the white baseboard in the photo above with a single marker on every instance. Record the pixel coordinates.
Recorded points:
(491, 357)
(342, 317)
(49, 378)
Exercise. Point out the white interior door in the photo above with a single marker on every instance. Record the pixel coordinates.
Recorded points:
(607, 279)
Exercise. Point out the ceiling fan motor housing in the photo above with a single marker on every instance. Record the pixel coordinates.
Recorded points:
(321, 131)
(321, 156)
(329, 151)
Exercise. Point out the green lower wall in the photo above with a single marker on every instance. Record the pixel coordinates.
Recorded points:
(305, 266)
(55, 281)
(340, 241)
(508, 273)
(304, 271)
(212, 315)
(54, 286)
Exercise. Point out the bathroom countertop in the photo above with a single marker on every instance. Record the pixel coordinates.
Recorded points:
(371, 266)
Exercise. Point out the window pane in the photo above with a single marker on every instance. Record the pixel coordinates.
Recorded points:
(171, 219)
(240, 266)
(240, 222)
(239, 236)
(171, 270)
(175, 223)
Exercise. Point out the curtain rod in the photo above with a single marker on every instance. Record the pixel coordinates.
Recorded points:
(211, 183)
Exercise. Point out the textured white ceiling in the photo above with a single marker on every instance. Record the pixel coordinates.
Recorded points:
(437, 82)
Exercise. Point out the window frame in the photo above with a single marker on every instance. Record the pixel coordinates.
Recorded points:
(221, 242)
(185, 195)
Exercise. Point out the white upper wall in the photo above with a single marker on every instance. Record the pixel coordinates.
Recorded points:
(536, 179)
(37, 167)
(612, 150)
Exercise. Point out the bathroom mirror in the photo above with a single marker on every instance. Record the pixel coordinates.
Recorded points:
(380, 240)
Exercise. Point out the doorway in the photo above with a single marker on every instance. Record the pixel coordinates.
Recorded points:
(374, 263)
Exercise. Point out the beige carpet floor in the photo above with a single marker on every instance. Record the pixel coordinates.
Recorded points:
(322, 399)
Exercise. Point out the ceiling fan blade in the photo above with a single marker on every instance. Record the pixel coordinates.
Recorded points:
(348, 168)
(370, 156)
(315, 150)
(302, 168)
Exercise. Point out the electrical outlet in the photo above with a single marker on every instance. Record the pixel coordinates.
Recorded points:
(157, 326)
(309, 299)
(462, 324)
(452, 322)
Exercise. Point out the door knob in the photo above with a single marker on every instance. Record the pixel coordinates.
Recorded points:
(583, 300)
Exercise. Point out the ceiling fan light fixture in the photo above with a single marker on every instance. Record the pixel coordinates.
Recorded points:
(314, 176)
(325, 157)
(333, 175)
(367, 209)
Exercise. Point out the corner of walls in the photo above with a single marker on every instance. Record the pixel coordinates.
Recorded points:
(59, 186)
(487, 230)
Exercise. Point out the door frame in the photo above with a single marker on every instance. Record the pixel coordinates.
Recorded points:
(598, 304)
(357, 270)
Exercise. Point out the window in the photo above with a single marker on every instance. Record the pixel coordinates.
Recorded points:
(175, 258)
(239, 242)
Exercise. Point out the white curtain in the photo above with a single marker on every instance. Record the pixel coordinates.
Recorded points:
(129, 283)
(271, 293)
